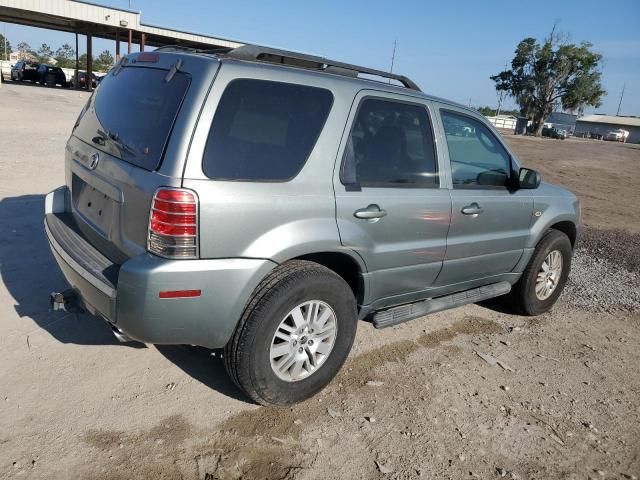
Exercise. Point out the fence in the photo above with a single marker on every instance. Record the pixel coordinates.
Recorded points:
(505, 123)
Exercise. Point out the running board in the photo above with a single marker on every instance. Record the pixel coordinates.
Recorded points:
(403, 313)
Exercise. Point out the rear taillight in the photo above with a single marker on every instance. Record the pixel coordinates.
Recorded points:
(173, 223)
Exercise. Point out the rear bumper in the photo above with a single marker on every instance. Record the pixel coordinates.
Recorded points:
(127, 295)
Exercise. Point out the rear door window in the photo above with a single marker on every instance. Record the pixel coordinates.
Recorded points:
(264, 130)
(390, 146)
(132, 113)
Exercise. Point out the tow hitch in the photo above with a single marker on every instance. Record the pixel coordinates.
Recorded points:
(67, 301)
(62, 300)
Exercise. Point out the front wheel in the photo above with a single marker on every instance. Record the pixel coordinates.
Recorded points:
(545, 276)
(294, 336)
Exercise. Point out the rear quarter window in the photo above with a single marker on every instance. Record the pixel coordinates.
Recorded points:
(264, 130)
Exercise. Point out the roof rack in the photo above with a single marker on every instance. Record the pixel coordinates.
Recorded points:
(257, 53)
(181, 48)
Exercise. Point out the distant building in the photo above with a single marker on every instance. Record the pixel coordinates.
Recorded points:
(601, 125)
(15, 57)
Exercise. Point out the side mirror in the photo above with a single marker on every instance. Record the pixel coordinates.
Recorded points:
(528, 178)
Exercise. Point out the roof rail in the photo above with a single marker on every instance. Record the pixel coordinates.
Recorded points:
(257, 53)
(181, 48)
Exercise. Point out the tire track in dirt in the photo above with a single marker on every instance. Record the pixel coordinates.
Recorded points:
(267, 442)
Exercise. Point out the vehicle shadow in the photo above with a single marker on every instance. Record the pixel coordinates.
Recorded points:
(498, 305)
(30, 273)
(28, 83)
(205, 366)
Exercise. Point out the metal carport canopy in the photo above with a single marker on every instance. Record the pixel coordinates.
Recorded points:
(101, 21)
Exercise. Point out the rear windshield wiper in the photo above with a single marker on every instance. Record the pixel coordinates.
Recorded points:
(115, 139)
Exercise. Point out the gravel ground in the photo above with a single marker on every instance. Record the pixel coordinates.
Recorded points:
(419, 400)
(616, 246)
(605, 272)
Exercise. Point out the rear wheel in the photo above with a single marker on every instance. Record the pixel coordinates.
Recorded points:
(294, 335)
(546, 274)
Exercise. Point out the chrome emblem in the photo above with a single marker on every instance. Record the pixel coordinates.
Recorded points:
(93, 163)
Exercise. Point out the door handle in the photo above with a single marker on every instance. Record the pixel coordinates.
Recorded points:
(473, 209)
(372, 212)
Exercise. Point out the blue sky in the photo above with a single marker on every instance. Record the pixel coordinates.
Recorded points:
(449, 48)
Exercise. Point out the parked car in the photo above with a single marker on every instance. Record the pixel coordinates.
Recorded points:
(555, 132)
(262, 201)
(560, 133)
(5, 70)
(81, 81)
(24, 70)
(99, 78)
(51, 75)
(619, 135)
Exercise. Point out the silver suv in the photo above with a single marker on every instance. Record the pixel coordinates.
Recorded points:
(263, 201)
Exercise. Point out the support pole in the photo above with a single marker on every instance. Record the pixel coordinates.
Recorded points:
(76, 73)
(89, 77)
(130, 41)
(142, 38)
(117, 45)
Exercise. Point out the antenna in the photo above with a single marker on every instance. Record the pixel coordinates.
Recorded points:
(621, 96)
(393, 57)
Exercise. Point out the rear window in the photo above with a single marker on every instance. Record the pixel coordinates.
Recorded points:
(264, 131)
(132, 113)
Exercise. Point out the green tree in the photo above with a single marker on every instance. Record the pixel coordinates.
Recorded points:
(65, 56)
(24, 50)
(82, 62)
(487, 111)
(44, 53)
(554, 71)
(5, 48)
(490, 112)
(103, 62)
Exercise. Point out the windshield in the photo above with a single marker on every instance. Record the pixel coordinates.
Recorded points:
(131, 114)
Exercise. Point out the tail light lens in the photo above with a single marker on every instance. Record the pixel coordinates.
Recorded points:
(173, 223)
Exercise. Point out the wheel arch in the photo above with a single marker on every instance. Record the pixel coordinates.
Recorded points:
(345, 265)
(568, 228)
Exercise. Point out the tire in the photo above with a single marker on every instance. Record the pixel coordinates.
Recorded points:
(289, 286)
(523, 297)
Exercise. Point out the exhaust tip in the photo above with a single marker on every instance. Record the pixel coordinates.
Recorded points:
(119, 334)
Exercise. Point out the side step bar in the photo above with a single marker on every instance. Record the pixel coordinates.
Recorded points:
(403, 313)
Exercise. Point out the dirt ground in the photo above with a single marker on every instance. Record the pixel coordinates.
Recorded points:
(605, 175)
(414, 401)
